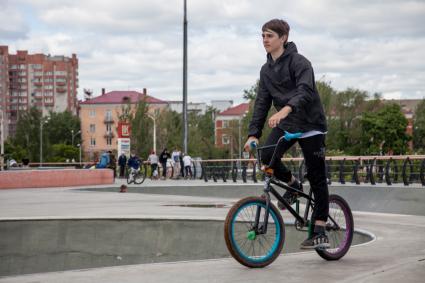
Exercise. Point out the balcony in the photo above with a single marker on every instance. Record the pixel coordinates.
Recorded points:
(61, 83)
(108, 120)
(39, 84)
(61, 90)
(109, 135)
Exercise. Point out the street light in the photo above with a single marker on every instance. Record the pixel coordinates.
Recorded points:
(154, 130)
(42, 122)
(79, 145)
(74, 135)
(240, 137)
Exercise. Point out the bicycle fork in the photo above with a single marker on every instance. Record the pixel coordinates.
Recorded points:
(262, 229)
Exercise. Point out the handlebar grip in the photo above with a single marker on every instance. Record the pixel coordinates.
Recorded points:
(253, 145)
(290, 136)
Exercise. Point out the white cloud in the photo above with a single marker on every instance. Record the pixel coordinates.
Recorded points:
(131, 44)
(12, 24)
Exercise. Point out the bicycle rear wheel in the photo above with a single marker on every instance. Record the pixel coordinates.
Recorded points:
(244, 242)
(340, 228)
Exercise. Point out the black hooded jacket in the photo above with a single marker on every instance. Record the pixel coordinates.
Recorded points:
(288, 81)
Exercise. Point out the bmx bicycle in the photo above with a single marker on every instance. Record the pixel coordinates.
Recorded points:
(254, 230)
(136, 176)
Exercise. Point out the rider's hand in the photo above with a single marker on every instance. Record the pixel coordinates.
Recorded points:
(247, 146)
(277, 117)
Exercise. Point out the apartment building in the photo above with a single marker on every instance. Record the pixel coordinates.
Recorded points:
(99, 118)
(227, 128)
(49, 83)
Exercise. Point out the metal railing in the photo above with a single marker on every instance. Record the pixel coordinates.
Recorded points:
(389, 170)
(406, 169)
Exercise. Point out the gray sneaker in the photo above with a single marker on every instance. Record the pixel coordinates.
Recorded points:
(318, 241)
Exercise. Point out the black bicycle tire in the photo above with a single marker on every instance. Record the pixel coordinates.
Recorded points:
(328, 256)
(228, 236)
(142, 174)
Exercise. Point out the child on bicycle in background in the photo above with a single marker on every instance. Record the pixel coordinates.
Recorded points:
(287, 80)
(134, 162)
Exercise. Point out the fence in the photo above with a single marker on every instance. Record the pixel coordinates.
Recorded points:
(401, 169)
(406, 169)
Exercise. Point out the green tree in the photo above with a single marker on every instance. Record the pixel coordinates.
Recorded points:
(327, 96)
(419, 127)
(201, 136)
(384, 131)
(14, 151)
(141, 133)
(170, 130)
(57, 129)
(63, 152)
(28, 133)
(251, 94)
(349, 106)
(61, 127)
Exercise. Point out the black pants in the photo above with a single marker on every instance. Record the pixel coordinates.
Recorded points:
(154, 166)
(122, 170)
(164, 169)
(188, 171)
(313, 149)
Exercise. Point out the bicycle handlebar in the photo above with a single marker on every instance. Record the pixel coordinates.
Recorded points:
(287, 136)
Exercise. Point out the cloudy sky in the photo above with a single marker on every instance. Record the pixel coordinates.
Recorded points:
(372, 45)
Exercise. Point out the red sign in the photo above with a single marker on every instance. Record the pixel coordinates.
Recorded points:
(124, 130)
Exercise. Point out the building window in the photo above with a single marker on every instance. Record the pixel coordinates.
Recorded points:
(92, 141)
(92, 113)
(108, 128)
(109, 114)
(225, 124)
(109, 141)
(225, 139)
(92, 128)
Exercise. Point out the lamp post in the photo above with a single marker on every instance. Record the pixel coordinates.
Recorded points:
(74, 135)
(240, 136)
(1, 140)
(42, 122)
(185, 125)
(154, 130)
(79, 145)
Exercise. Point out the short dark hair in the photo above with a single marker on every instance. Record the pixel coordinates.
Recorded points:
(281, 27)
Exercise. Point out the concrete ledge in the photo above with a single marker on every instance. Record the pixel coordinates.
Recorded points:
(54, 178)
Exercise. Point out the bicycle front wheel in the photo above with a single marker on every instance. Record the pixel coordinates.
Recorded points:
(130, 177)
(340, 229)
(243, 240)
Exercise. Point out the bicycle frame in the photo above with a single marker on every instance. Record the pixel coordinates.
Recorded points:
(270, 179)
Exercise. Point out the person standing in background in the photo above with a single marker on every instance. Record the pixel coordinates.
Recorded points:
(175, 156)
(187, 160)
(153, 161)
(122, 161)
(163, 157)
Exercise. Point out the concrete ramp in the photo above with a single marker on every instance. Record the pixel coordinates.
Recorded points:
(33, 246)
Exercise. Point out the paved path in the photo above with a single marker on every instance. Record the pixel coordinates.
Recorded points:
(397, 254)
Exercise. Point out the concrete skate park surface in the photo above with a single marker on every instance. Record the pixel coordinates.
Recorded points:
(398, 253)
